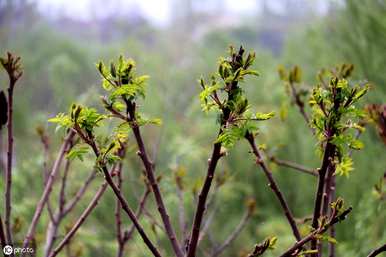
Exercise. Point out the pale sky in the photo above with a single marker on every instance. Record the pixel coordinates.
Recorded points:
(156, 10)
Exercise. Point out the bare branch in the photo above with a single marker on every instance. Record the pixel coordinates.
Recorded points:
(13, 67)
(152, 180)
(377, 251)
(294, 166)
(201, 205)
(47, 190)
(93, 203)
(274, 187)
(243, 222)
(320, 230)
(328, 154)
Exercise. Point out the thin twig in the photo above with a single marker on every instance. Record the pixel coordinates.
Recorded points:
(129, 232)
(201, 205)
(47, 191)
(243, 222)
(79, 194)
(89, 139)
(118, 220)
(274, 187)
(12, 65)
(299, 103)
(328, 154)
(320, 230)
(131, 118)
(294, 166)
(377, 251)
(93, 203)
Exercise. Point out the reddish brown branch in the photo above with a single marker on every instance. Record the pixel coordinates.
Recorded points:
(118, 220)
(201, 205)
(377, 251)
(299, 103)
(89, 139)
(128, 233)
(328, 154)
(294, 166)
(79, 194)
(152, 180)
(274, 187)
(63, 209)
(47, 190)
(12, 66)
(93, 203)
(296, 248)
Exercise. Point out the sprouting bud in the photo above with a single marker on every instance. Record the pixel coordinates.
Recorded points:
(251, 205)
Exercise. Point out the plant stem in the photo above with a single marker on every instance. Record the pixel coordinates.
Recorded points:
(201, 205)
(377, 251)
(274, 187)
(47, 191)
(153, 182)
(2, 234)
(294, 166)
(89, 139)
(79, 194)
(8, 171)
(93, 203)
(299, 103)
(328, 154)
(243, 222)
(118, 220)
(331, 245)
(128, 233)
(320, 230)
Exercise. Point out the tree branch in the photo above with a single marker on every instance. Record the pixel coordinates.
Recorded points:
(79, 194)
(93, 203)
(47, 190)
(328, 154)
(152, 180)
(125, 206)
(12, 66)
(128, 233)
(377, 251)
(274, 187)
(118, 220)
(201, 205)
(2, 234)
(294, 166)
(243, 222)
(293, 251)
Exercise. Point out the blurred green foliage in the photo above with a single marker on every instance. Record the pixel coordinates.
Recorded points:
(59, 69)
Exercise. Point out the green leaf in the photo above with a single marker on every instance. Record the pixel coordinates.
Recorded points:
(264, 116)
(344, 167)
(356, 144)
(78, 151)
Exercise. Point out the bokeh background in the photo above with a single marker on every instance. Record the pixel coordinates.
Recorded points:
(175, 42)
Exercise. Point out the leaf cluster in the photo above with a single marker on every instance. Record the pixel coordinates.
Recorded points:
(224, 94)
(336, 115)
